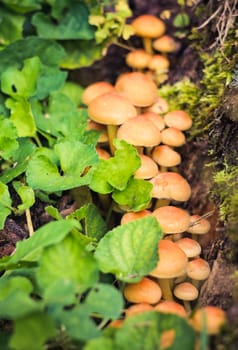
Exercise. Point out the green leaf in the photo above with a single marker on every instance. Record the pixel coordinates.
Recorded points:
(73, 91)
(72, 156)
(5, 204)
(94, 225)
(8, 138)
(21, 116)
(22, 82)
(49, 52)
(16, 291)
(32, 332)
(181, 20)
(130, 251)
(26, 194)
(67, 261)
(136, 196)
(73, 25)
(22, 6)
(61, 118)
(100, 344)
(11, 26)
(105, 300)
(51, 79)
(115, 172)
(143, 332)
(31, 248)
(80, 53)
(20, 159)
(77, 322)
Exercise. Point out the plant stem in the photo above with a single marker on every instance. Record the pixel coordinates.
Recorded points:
(29, 222)
(112, 132)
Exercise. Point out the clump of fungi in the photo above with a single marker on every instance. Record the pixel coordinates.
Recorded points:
(132, 110)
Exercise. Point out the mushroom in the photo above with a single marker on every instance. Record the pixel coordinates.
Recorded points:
(96, 89)
(159, 106)
(158, 63)
(198, 270)
(144, 291)
(172, 263)
(131, 216)
(156, 119)
(111, 109)
(165, 44)
(198, 225)
(139, 131)
(138, 59)
(147, 169)
(166, 157)
(178, 119)
(186, 292)
(190, 247)
(209, 319)
(172, 219)
(102, 153)
(172, 137)
(171, 307)
(171, 186)
(136, 309)
(138, 88)
(103, 137)
(148, 27)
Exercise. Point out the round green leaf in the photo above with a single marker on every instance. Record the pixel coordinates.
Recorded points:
(130, 251)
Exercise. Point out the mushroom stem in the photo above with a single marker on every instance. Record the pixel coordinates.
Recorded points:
(187, 306)
(147, 43)
(166, 289)
(111, 131)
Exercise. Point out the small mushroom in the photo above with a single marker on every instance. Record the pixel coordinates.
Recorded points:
(209, 319)
(166, 157)
(198, 270)
(111, 109)
(131, 216)
(159, 106)
(136, 309)
(147, 169)
(138, 88)
(165, 44)
(144, 291)
(138, 59)
(171, 186)
(173, 137)
(96, 89)
(190, 247)
(172, 263)
(178, 119)
(148, 27)
(172, 219)
(171, 307)
(186, 292)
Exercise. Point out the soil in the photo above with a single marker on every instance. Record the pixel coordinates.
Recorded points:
(219, 289)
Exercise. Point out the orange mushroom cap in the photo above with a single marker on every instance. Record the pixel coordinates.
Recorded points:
(138, 88)
(190, 247)
(148, 26)
(139, 131)
(170, 185)
(147, 169)
(178, 119)
(171, 306)
(166, 156)
(144, 291)
(172, 260)
(96, 89)
(138, 59)
(165, 44)
(111, 108)
(172, 219)
(198, 269)
(156, 119)
(186, 291)
(159, 106)
(198, 225)
(173, 137)
(210, 318)
(131, 216)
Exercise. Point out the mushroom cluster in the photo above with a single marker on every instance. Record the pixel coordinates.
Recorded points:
(133, 111)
